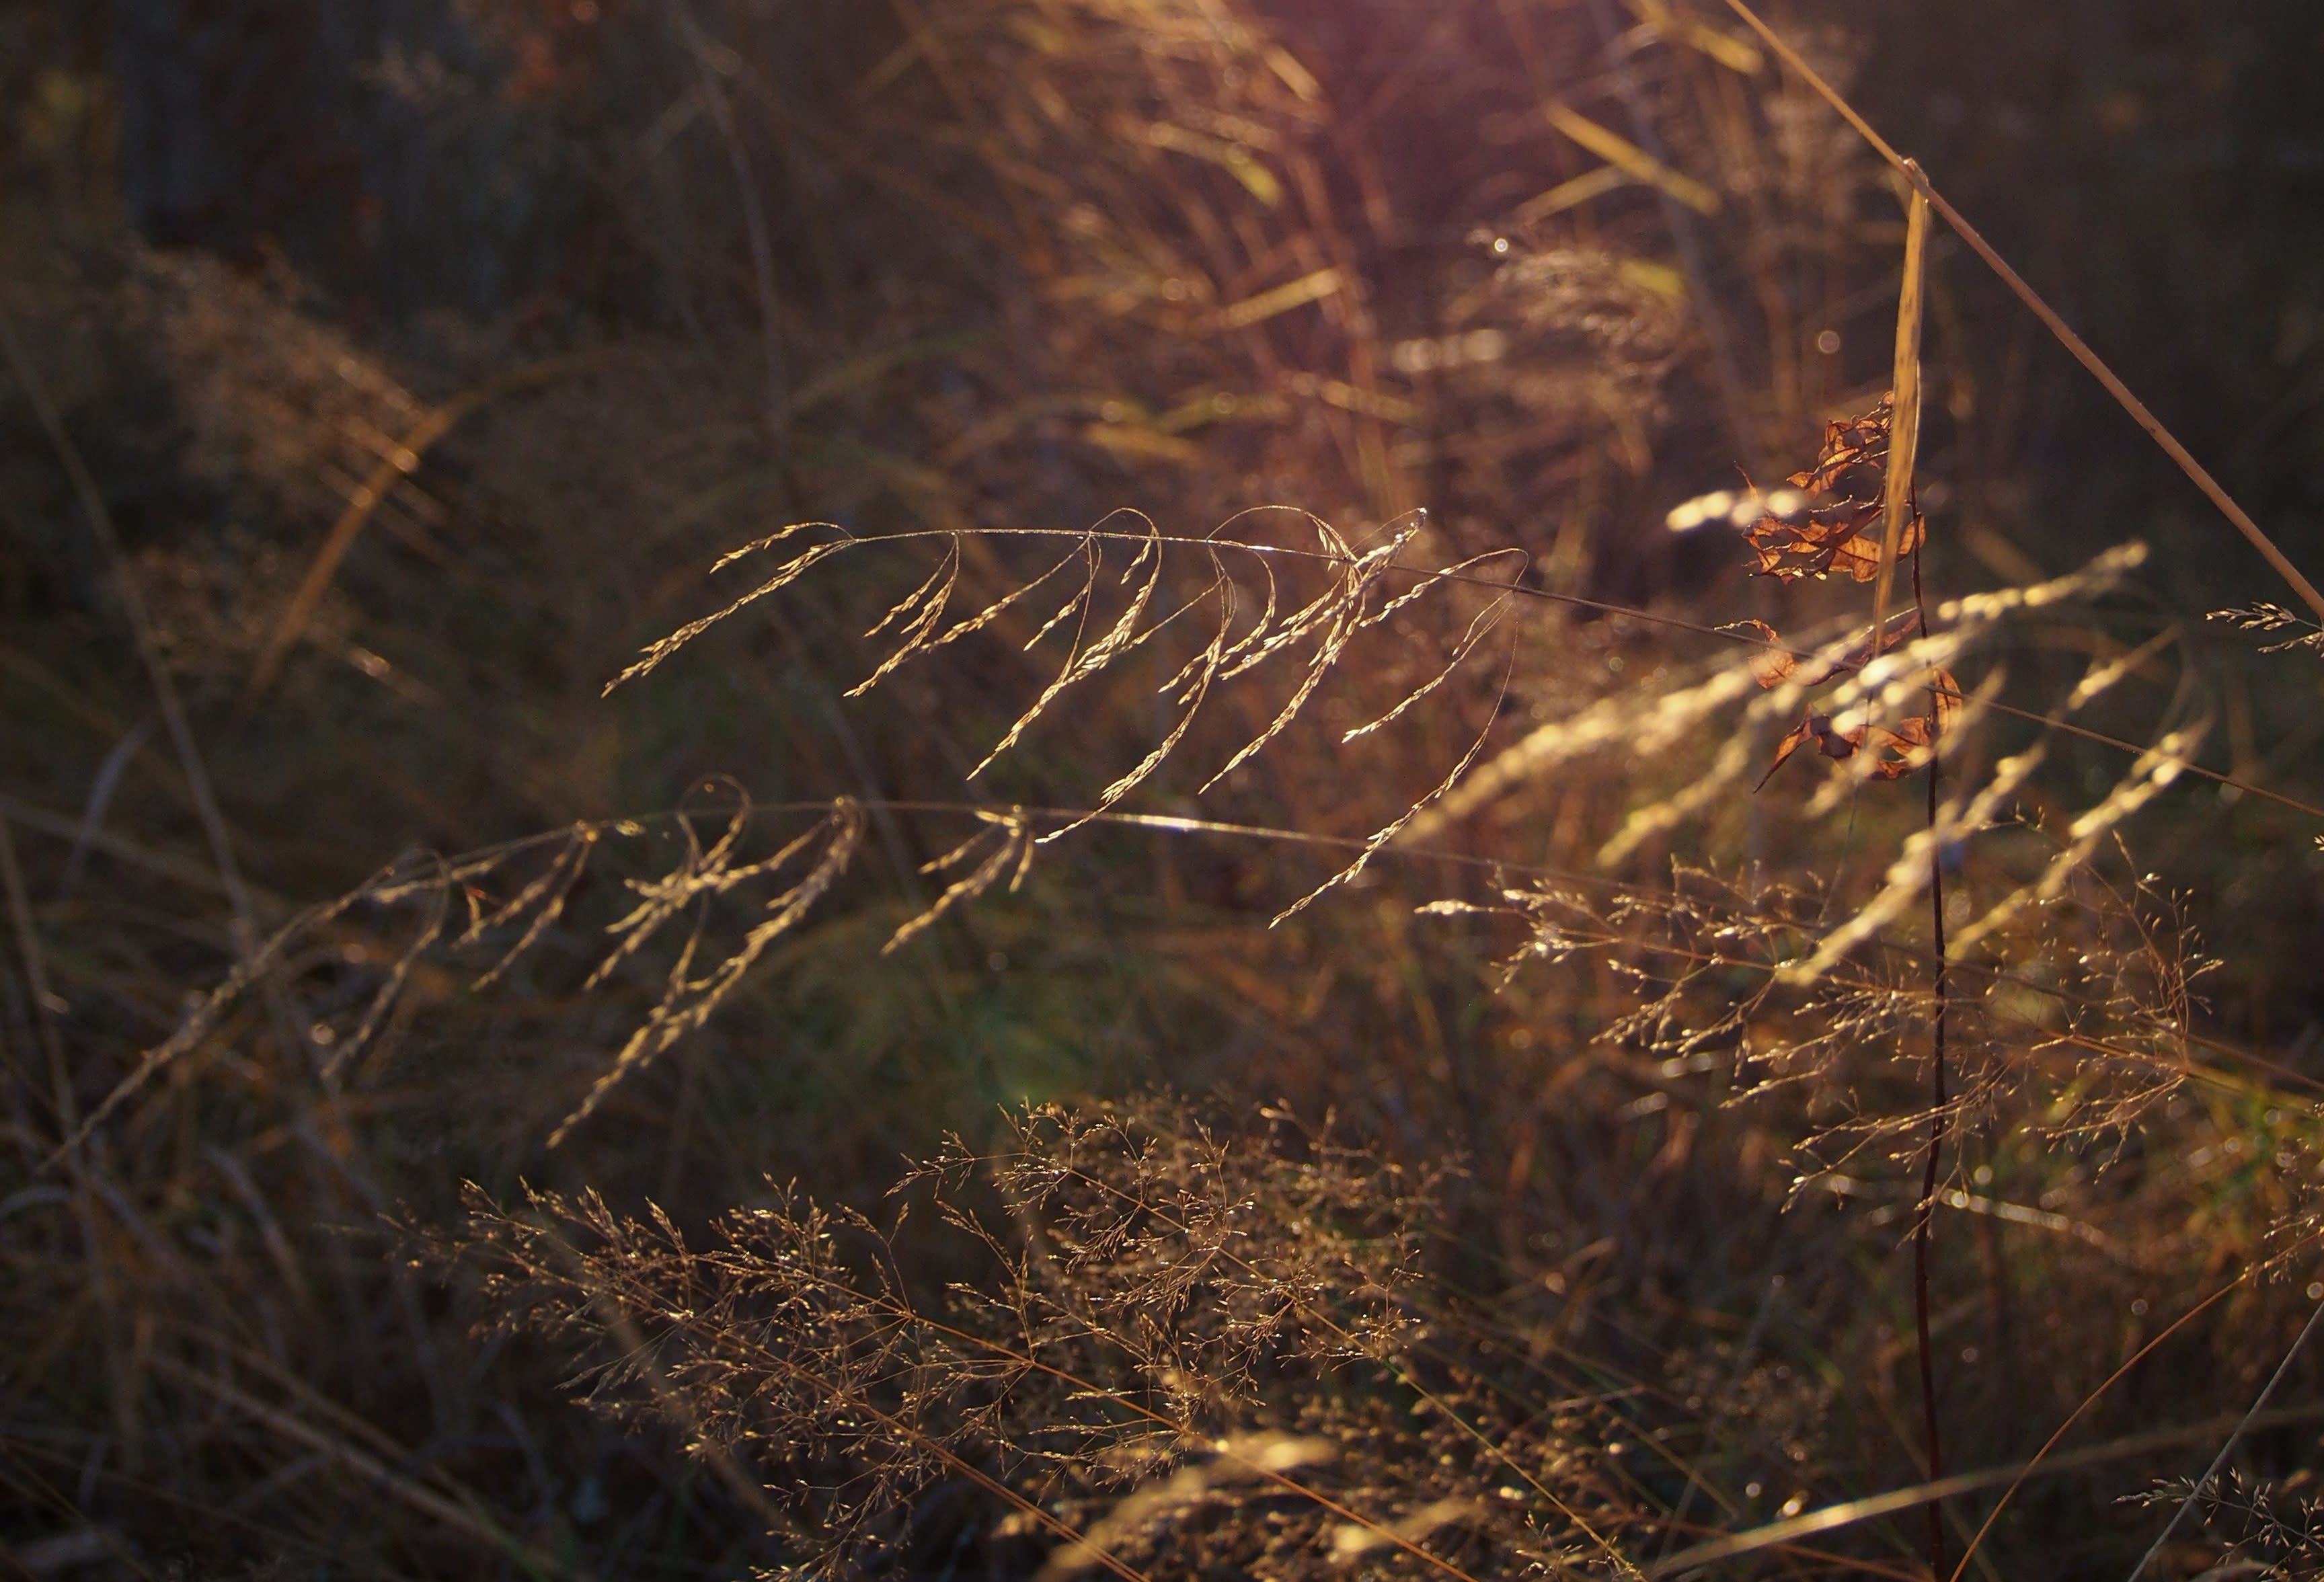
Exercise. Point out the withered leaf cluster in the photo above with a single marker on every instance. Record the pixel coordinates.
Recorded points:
(1850, 471)
(1842, 735)
(1896, 753)
(1839, 536)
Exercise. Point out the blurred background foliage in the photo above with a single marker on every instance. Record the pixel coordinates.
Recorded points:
(528, 310)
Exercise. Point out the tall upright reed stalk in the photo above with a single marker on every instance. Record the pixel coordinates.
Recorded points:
(1904, 446)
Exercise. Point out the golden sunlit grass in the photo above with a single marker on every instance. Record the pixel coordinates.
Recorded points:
(740, 1125)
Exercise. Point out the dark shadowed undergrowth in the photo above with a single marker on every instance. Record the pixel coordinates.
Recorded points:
(1141, 787)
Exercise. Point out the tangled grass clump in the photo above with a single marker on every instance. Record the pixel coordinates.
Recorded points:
(1183, 1351)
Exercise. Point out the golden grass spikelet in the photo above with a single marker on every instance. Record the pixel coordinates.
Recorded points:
(1010, 837)
(687, 1001)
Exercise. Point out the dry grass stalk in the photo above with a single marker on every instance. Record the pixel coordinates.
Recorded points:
(1905, 426)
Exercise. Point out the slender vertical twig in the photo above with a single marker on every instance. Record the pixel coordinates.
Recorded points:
(1901, 516)
(1939, 1114)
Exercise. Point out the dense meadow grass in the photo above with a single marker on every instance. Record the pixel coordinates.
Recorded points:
(1218, 788)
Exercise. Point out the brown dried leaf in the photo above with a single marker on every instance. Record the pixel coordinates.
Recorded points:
(1901, 751)
(1790, 744)
(1849, 443)
(1837, 537)
(1835, 741)
(1859, 554)
(1895, 752)
(1773, 665)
